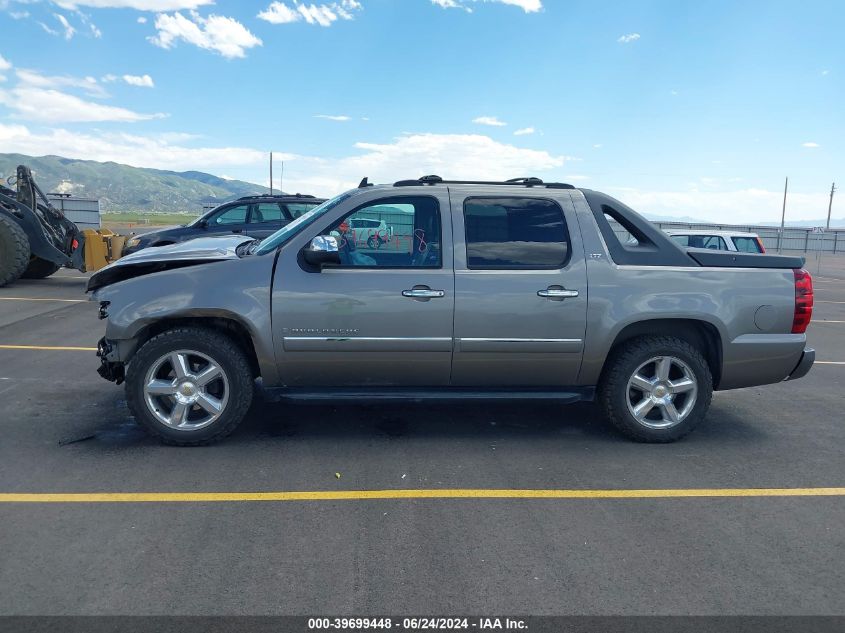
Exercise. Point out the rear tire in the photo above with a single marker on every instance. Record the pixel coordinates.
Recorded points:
(656, 388)
(39, 269)
(14, 250)
(167, 394)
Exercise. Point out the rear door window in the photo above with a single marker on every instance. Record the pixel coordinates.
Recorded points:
(296, 210)
(713, 242)
(746, 244)
(515, 233)
(267, 212)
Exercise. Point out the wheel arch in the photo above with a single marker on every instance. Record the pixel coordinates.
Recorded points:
(228, 325)
(703, 335)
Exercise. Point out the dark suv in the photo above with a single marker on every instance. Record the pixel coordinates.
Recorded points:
(255, 216)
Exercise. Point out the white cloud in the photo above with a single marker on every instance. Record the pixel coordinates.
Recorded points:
(630, 37)
(333, 117)
(69, 31)
(323, 14)
(5, 64)
(471, 156)
(489, 120)
(825, 72)
(745, 206)
(809, 144)
(139, 151)
(597, 145)
(48, 29)
(529, 6)
(218, 33)
(92, 28)
(142, 81)
(32, 78)
(525, 131)
(142, 19)
(18, 15)
(140, 5)
(51, 106)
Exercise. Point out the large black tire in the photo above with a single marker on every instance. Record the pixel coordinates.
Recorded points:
(39, 269)
(614, 394)
(14, 251)
(227, 356)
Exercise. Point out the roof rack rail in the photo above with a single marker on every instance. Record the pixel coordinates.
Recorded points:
(276, 195)
(530, 181)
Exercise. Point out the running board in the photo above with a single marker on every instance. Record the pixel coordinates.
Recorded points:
(565, 395)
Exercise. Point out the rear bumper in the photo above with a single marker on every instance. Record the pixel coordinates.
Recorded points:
(804, 365)
(751, 360)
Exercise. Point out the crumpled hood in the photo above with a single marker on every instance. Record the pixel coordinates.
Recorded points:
(155, 259)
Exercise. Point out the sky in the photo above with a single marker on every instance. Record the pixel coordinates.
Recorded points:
(677, 108)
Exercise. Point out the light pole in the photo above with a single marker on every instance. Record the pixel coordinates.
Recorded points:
(830, 204)
(783, 216)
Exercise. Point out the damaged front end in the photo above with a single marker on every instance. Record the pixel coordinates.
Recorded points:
(161, 258)
(110, 367)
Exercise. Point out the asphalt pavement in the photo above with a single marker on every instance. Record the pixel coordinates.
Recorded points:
(65, 430)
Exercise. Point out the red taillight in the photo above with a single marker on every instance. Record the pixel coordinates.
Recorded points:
(803, 301)
(760, 244)
(74, 244)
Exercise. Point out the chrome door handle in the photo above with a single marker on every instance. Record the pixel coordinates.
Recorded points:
(557, 293)
(423, 293)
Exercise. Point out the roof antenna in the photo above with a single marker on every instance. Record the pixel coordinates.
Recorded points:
(364, 183)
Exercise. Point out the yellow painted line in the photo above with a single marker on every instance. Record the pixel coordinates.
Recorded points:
(40, 299)
(361, 495)
(50, 348)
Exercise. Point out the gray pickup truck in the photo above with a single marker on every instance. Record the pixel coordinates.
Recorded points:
(476, 290)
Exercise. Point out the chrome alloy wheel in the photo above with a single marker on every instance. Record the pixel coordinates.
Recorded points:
(661, 393)
(186, 390)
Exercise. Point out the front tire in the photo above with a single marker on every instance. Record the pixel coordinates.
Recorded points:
(189, 386)
(656, 388)
(14, 250)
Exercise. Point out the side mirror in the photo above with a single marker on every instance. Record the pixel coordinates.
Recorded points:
(321, 251)
(202, 224)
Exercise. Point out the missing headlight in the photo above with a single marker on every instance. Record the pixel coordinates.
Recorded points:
(104, 309)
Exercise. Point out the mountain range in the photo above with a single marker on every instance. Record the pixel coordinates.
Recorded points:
(121, 188)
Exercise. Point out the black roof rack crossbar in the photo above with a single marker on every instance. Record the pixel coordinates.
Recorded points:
(526, 182)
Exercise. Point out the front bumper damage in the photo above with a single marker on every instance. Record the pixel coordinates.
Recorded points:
(110, 367)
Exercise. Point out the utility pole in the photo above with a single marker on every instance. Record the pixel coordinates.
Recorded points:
(783, 216)
(830, 204)
(271, 173)
(282, 180)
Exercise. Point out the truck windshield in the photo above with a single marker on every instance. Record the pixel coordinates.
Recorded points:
(288, 231)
